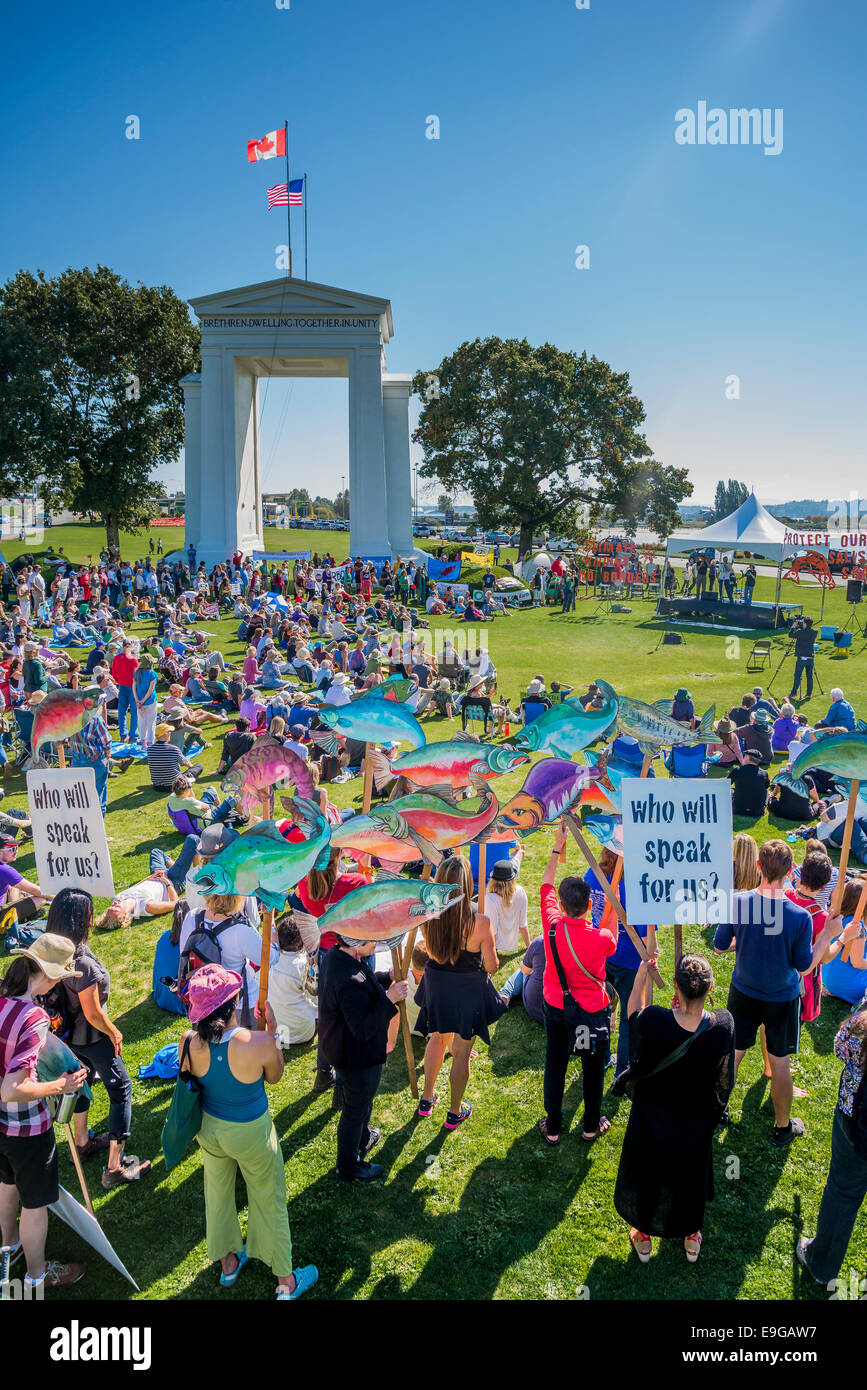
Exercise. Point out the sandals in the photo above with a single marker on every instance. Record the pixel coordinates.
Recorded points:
(227, 1280)
(641, 1245)
(551, 1139)
(604, 1126)
(693, 1241)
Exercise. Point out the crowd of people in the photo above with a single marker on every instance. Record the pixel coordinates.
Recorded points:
(322, 634)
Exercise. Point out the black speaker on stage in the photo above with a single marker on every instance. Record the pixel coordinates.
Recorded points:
(854, 590)
(672, 639)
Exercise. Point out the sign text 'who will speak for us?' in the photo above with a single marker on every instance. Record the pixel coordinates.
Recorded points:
(68, 831)
(677, 849)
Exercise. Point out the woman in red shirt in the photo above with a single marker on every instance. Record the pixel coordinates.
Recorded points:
(319, 891)
(575, 1001)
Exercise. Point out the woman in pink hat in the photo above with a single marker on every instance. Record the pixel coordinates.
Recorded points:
(232, 1065)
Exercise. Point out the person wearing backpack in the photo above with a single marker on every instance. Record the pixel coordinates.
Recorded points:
(679, 1078)
(575, 1004)
(95, 1040)
(232, 1066)
(823, 1255)
(220, 934)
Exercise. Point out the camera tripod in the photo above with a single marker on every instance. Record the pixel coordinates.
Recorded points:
(854, 624)
(783, 659)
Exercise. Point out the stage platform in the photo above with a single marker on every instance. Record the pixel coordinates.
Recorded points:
(709, 610)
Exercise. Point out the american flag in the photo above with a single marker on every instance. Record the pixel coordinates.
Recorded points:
(286, 195)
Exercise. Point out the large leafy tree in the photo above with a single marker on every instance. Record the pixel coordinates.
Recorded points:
(728, 497)
(90, 395)
(536, 435)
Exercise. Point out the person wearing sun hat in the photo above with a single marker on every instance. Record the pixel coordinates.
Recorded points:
(28, 1153)
(756, 736)
(233, 1065)
(727, 745)
(682, 707)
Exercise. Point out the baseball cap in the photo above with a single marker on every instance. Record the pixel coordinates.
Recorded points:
(215, 838)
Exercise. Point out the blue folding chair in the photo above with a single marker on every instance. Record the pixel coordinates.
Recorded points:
(688, 762)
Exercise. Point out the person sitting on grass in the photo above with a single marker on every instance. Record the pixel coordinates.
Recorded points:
(294, 1006)
(207, 810)
(785, 728)
(506, 905)
(727, 744)
(165, 761)
(755, 736)
(175, 704)
(749, 786)
(844, 973)
(840, 716)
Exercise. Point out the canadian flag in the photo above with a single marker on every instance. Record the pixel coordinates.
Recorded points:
(269, 147)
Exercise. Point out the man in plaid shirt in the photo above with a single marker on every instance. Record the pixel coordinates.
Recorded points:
(92, 748)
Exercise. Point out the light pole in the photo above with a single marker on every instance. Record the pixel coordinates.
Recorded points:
(343, 497)
(415, 492)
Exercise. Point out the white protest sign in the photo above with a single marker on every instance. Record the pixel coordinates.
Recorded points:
(68, 831)
(677, 850)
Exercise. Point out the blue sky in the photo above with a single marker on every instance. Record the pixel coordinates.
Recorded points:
(557, 130)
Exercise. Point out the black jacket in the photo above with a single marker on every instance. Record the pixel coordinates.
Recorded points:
(354, 1011)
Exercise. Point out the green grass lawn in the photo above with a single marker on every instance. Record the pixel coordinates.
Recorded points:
(487, 1211)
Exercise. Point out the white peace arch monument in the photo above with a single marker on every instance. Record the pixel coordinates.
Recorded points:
(293, 328)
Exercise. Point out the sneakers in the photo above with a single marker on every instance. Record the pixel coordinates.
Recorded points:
(375, 1136)
(782, 1137)
(131, 1169)
(453, 1120)
(305, 1278)
(801, 1249)
(362, 1172)
(57, 1275)
(425, 1107)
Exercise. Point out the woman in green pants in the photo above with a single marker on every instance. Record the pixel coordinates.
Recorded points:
(232, 1065)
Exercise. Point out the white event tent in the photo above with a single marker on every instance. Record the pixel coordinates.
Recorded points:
(752, 529)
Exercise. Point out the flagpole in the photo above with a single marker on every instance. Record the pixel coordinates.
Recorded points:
(288, 208)
(306, 276)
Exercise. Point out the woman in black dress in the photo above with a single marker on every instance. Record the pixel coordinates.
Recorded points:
(455, 995)
(680, 1078)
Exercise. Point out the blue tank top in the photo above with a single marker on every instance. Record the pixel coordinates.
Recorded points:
(223, 1095)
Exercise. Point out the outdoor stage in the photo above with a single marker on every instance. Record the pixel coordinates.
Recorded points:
(711, 610)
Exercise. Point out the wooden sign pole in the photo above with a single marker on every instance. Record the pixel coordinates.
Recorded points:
(368, 779)
(78, 1168)
(613, 899)
(651, 930)
(837, 898)
(265, 965)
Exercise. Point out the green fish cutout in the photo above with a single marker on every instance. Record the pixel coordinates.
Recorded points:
(263, 863)
(567, 728)
(652, 725)
(843, 755)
